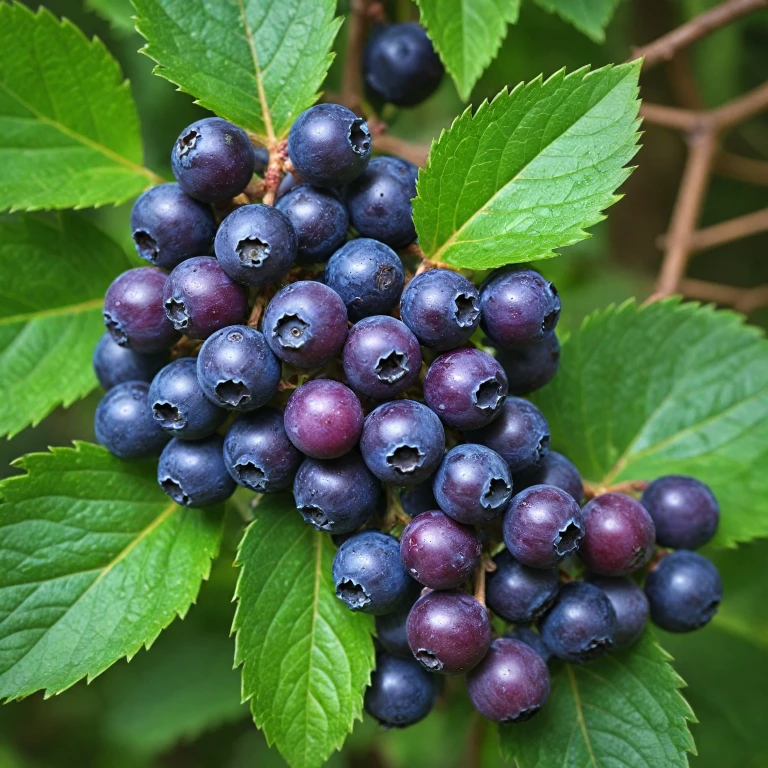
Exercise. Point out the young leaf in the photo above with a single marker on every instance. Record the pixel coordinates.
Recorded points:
(94, 562)
(306, 658)
(258, 63)
(590, 18)
(530, 171)
(467, 34)
(54, 272)
(625, 709)
(69, 125)
(119, 14)
(668, 389)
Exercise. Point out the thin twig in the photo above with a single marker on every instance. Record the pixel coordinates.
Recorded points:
(726, 232)
(741, 108)
(629, 487)
(671, 117)
(744, 300)
(744, 169)
(413, 153)
(352, 79)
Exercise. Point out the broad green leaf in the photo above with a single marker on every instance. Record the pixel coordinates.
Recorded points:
(668, 389)
(119, 13)
(625, 709)
(529, 171)
(306, 658)
(589, 17)
(53, 275)
(258, 63)
(467, 34)
(68, 121)
(94, 562)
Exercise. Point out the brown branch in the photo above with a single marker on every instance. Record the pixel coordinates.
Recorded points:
(740, 168)
(745, 300)
(414, 153)
(352, 80)
(741, 108)
(684, 83)
(726, 232)
(671, 117)
(629, 487)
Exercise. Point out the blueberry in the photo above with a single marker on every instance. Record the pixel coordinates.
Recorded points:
(530, 368)
(306, 324)
(368, 574)
(287, 183)
(684, 591)
(418, 498)
(329, 145)
(213, 160)
(114, 364)
(179, 405)
(518, 593)
(441, 307)
(260, 160)
(403, 442)
(473, 484)
(554, 469)
(532, 639)
(390, 630)
(124, 423)
(237, 370)
(169, 226)
(256, 245)
(684, 510)
(630, 605)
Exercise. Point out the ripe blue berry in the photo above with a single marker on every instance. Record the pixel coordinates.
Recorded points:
(287, 183)
(260, 160)
(390, 630)
(530, 368)
(630, 605)
(532, 639)
(554, 469)
(518, 593)
(418, 498)
(114, 364)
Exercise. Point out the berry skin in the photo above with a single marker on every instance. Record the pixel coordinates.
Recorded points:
(532, 639)
(368, 574)
(520, 435)
(554, 469)
(287, 183)
(193, 474)
(390, 631)
(418, 498)
(260, 160)
(518, 593)
(379, 201)
(329, 145)
(441, 307)
(684, 510)
(400, 65)
(169, 226)
(368, 276)
(530, 368)
(403, 442)
(683, 591)
(256, 245)
(630, 605)
(580, 625)
(237, 370)
(439, 552)
(306, 324)
(324, 419)
(200, 298)
(133, 311)
(619, 535)
(114, 364)
(511, 684)
(124, 423)
(337, 495)
(466, 388)
(542, 526)
(449, 632)
(473, 484)
(519, 307)
(179, 405)
(213, 160)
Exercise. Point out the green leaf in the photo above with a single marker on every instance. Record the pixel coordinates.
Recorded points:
(668, 389)
(258, 63)
(68, 121)
(625, 709)
(530, 171)
(53, 275)
(306, 658)
(119, 13)
(94, 562)
(591, 17)
(467, 34)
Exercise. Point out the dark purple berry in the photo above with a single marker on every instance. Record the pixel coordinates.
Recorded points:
(530, 368)
(554, 469)
(261, 160)
(391, 633)
(418, 498)
(518, 593)
(532, 639)
(630, 605)
(114, 364)
(287, 183)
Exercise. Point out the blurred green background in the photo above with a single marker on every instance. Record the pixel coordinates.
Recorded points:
(178, 706)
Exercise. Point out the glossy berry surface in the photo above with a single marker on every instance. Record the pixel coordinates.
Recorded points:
(381, 357)
(449, 632)
(329, 145)
(418, 498)
(542, 526)
(200, 298)
(684, 511)
(324, 419)
(124, 423)
(114, 364)
(530, 368)
(237, 370)
(260, 160)
(402, 442)
(134, 314)
(554, 469)
(532, 639)
(629, 604)
(473, 484)
(193, 474)
(466, 388)
(441, 307)
(581, 625)
(439, 552)
(168, 226)
(684, 591)
(368, 276)
(619, 535)
(213, 160)
(511, 684)
(306, 324)
(391, 633)
(368, 574)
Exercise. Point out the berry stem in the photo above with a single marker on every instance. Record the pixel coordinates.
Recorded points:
(352, 81)
(629, 487)
(395, 515)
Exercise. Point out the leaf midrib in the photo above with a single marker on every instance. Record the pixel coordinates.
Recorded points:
(580, 712)
(68, 309)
